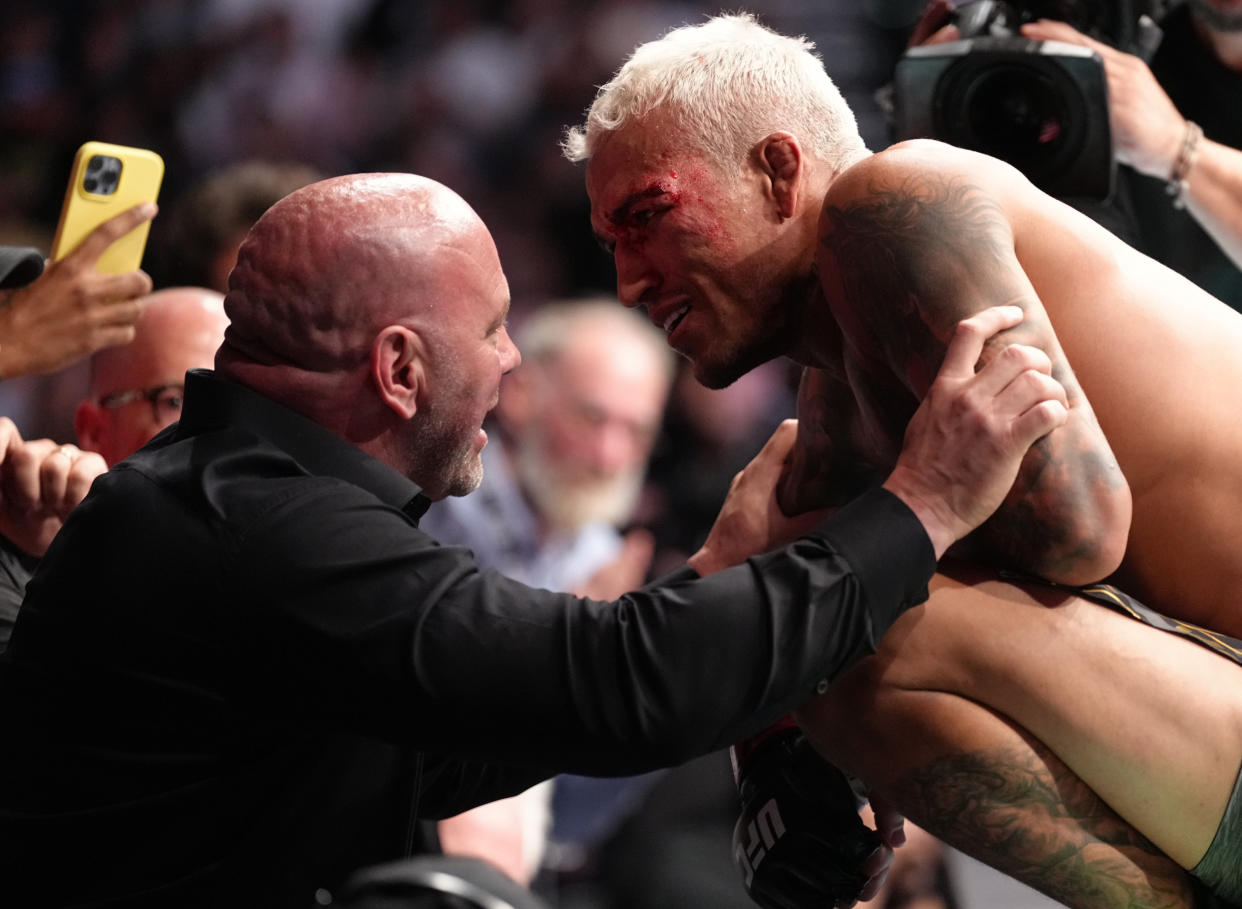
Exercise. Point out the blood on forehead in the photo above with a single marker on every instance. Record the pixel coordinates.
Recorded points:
(625, 221)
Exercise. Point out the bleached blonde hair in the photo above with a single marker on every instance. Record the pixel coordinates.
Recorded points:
(730, 81)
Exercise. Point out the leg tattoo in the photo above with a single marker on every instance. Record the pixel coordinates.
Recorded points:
(1028, 816)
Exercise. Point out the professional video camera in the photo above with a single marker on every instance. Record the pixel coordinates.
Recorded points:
(1040, 105)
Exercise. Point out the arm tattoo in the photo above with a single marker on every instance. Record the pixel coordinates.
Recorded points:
(824, 469)
(915, 259)
(910, 257)
(1029, 816)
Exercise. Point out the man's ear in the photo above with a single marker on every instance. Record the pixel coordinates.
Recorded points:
(780, 159)
(89, 425)
(398, 368)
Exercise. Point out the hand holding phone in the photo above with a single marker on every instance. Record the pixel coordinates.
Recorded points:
(106, 180)
(72, 309)
(90, 294)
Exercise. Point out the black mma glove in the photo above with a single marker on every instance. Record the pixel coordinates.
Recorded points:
(799, 841)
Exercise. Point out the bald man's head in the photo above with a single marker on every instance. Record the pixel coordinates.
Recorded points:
(333, 262)
(375, 305)
(135, 389)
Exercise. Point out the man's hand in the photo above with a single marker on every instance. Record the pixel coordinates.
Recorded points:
(73, 309)
(1147, 129)
(965, 442)
(751, 521)
(40, 483)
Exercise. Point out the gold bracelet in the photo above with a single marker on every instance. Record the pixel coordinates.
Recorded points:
(1179, 180)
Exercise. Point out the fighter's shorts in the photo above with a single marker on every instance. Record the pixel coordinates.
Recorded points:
(1220, 869)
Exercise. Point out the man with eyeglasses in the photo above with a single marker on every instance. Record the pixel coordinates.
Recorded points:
(135, 391)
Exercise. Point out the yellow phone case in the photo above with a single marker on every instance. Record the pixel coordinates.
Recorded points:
(106, 180)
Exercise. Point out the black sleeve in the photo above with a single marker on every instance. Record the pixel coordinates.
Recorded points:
(377, 626)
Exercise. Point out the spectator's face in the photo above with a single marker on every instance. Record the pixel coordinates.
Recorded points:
(466, 356)
(140, 384)
(695, 244)
(594, 417)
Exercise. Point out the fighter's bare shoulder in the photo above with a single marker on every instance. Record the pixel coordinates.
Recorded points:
(916, 166)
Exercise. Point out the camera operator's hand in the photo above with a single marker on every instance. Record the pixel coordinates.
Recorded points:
(73, 309)
(935, 26)
(1147, 129)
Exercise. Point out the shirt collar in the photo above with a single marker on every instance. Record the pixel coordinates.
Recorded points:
(212, 402)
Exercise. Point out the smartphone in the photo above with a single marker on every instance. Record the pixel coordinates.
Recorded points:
(106, 180)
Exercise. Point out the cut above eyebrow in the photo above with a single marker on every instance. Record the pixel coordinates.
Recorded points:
(622, 212)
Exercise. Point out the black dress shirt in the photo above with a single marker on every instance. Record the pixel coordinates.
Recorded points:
(242, 671)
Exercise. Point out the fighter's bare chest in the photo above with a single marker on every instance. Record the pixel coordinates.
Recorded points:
(864, 412)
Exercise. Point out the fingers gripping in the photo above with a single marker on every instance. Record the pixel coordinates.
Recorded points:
(966, 441)
(1016, 391)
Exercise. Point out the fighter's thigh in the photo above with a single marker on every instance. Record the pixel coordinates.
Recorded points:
(1151, 721)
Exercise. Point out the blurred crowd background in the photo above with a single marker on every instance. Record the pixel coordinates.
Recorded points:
(473, 93)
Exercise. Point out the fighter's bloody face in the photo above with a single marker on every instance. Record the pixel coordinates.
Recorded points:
(692, 245)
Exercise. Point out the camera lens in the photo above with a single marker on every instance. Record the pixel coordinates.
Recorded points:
(90, 183)
(95, 163)
(1025, 112)
(1016, 114)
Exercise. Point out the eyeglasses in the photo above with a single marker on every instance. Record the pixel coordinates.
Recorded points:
(165, 401)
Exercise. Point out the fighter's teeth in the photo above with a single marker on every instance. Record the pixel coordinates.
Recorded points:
(674, 317)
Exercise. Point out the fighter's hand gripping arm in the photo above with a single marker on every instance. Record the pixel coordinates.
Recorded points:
(911, 242)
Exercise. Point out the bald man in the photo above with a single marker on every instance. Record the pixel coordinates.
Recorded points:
(243, 671)
(135, 391)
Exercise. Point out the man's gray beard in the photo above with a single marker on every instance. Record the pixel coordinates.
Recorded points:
(1215, 19)
(438, 455)
(566, 506)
